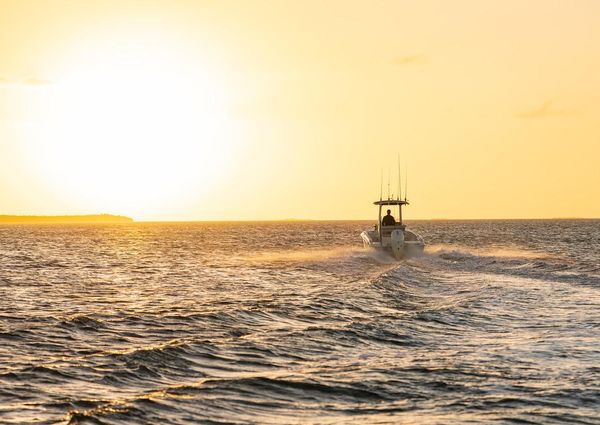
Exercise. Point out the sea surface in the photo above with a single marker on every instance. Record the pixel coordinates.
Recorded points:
(295, 322)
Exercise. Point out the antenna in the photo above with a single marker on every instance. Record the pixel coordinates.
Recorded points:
(405, 182)
(381, 186)
(399, 180)
(389, 184)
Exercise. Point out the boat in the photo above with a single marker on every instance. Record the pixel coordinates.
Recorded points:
(397, 238)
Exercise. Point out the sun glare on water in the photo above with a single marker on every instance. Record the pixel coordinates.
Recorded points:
(135, 131)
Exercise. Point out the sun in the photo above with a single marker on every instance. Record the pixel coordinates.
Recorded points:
(140, 131)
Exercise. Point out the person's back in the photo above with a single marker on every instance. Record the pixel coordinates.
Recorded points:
(388, 220)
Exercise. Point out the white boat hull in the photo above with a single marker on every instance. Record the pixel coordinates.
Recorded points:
(398, 244)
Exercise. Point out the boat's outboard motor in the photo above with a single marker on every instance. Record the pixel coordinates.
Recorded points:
(397, 243)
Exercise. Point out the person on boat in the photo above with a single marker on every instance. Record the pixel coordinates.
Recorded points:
(388, 220)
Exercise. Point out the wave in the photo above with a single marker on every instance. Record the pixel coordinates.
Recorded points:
(82, 322)
(210, 399)
(514, 262)
(501, 252)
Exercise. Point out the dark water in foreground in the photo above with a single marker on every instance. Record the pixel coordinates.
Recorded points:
(295, 322)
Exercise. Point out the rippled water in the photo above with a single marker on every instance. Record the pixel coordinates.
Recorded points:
(296, 322)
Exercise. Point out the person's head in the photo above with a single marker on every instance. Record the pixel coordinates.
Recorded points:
(389, 212)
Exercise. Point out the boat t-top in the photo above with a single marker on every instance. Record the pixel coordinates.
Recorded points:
(391, 235)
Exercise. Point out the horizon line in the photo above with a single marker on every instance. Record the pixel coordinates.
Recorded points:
(123, 219)
(354, 219)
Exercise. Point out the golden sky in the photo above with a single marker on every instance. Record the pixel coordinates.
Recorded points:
(248, 109)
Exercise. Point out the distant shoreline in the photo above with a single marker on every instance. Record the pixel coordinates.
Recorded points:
(64, 219)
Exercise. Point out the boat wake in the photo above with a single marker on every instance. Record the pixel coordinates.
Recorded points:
(299, 255)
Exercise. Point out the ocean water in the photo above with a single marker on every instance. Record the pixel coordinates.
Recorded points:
(177, 323)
